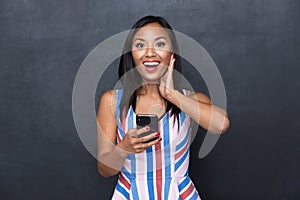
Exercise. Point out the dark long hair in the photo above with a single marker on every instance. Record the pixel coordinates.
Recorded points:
(133, 81)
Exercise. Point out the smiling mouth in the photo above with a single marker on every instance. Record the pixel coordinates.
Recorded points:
(151, 64)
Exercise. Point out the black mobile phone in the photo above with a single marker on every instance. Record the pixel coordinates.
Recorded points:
(150, 120)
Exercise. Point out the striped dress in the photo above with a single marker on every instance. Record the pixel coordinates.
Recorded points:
(161, 171)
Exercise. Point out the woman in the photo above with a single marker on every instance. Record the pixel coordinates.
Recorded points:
(154, 166)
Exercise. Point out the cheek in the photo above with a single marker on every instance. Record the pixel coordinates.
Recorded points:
(140, 71)
(136, 57)
(165, 55)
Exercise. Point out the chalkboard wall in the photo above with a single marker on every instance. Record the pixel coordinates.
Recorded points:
(254, 43)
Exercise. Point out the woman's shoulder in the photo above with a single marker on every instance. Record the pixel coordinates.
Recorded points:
(112, 93)
(109, 98)
(108, 95)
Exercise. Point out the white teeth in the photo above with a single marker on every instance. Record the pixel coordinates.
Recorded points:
(151, 63)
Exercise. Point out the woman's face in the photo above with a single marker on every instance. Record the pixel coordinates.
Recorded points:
(151, 51)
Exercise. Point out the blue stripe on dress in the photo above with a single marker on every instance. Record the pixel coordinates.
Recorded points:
(180, 145)
(125, 172)
(131, 156)
(182, 117)
(195, 195)
(184, 183)
(179, 162)
(122, 191)
(121, 131)
(130, 118)
(134, 190)
(150, 184)
(119, 98)
(186, 172)
(167, 157)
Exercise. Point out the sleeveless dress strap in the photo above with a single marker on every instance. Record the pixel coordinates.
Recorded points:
(119, 98)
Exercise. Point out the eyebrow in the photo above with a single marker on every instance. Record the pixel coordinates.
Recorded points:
(158, 38)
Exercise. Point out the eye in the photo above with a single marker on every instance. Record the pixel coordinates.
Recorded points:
(160, 44)
(139, 45)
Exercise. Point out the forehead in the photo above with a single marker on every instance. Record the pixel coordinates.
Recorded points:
(151, 31)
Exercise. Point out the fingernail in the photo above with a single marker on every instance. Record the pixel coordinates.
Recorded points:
(157, 134)
(160, 139)
(147, 128)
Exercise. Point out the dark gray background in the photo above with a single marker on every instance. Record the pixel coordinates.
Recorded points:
(255, 44)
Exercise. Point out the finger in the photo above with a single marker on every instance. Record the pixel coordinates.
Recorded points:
(132, 132)
(142, 130)
(162, 83)
(139, 150)
(172, 61)
(149, 137)
(156, 141)
(170, 70)
(163, 79)
(140, 147)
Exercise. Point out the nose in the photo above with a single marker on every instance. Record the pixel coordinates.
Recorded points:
(150, 52)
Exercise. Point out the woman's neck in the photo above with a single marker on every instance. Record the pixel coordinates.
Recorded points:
(149, 100)
(151, 89)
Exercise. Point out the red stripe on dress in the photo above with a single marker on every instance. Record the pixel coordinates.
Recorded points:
(118, 137)
(178, 154)
(188, 191)
(124, 181)
(158, 159)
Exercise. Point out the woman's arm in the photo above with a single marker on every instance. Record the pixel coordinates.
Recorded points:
(199, 107)
(110, 160)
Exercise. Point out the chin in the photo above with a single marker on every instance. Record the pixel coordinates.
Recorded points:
(150, 80)
(151, 76)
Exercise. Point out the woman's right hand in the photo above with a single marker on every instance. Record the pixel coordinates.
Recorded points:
(131, 143)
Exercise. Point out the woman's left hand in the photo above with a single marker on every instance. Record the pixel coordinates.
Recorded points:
(166, 86)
